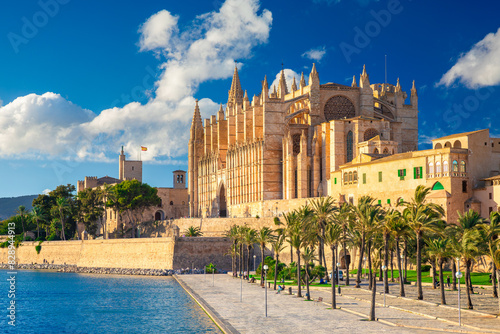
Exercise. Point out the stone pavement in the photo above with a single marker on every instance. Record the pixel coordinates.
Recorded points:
(289, 314)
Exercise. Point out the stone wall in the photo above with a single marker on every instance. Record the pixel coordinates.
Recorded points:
(142, 253)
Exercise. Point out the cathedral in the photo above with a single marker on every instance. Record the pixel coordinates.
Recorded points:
(287, 142)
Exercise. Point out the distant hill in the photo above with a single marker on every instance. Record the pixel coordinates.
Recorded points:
(9, 205)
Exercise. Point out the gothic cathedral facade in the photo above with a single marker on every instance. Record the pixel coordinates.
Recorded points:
(285, 143)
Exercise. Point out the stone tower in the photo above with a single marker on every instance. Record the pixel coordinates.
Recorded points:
(179, 179)
(196, 142)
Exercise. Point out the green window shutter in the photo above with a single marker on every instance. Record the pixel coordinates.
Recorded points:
(379, 201)
(388, 201)
(414, 172)
(404, 172)
(335, 181)
(379, 176)
(421, 175)
(364, 178)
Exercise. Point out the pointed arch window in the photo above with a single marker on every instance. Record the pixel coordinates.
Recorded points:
(349, 148)
(462, 167)
(431, 168)
(455, 166)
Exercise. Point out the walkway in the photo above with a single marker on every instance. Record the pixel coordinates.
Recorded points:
(289, 314)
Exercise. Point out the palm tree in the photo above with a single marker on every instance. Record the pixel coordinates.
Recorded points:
(278, 247)
(297, 237)
(193, 231)
(466, 243)
(399, 229)
(63, 207)
(308, 257)
(491, 233)
(263, 237)
(421, 218)
(249, 240)
(38, 215)
(332, 237)
(367, 215)
(323, 209)
(391, 219)
(22, 213)
(233, 235)
(438, 249)
(344, 217)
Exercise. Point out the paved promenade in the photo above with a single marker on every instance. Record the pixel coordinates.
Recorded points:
(289, 314)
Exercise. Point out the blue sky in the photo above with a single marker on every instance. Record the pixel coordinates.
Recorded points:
(79, 79)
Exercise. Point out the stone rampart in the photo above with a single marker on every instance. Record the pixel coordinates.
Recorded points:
(141, 253)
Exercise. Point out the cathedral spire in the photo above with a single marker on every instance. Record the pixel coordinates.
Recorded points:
(414, 95)
(196, 117)
(398, 87)
(235, 93)
(302, 80)
(245, 97)
(364, 78)
(354, 84)
(314, 77)
(294, 85)
(220, 113)
(282, 88)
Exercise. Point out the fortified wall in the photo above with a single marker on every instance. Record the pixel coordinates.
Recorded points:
(142, 253)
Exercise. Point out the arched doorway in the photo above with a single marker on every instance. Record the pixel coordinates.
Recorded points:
(222, 202)
(159, 215)
(345, 259)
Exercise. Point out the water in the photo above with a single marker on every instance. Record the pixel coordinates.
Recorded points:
(51, 302)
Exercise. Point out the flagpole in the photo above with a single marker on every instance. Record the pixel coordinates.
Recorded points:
(140, 151)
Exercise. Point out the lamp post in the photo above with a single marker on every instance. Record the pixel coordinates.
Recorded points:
(338, 277)
(254, 262)
(213, 276)
(241, 288)
(265, 277)
(459, 276)
(384, 270)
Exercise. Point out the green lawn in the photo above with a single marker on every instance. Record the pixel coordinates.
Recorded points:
(477, 278)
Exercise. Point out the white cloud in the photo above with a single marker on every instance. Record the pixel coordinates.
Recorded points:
(46, 191)
(289, 75)
(315, 54)
(479, 67)
(157, 31)
(40, 125)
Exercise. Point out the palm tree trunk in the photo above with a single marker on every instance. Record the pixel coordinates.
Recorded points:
(320, 252)
(392, 265)
(334, 304)
(498, 289)
(467, 284)
(441, 281)
(420, 295)
(37, 230)
(494, 281)
(291, 253)
(360, 263)
(406, 260)
(433, 265)
(454, 274)
(346, 262)
(241, 260)
(401, 280)
(276, 266)
(299, 291)
(372, 306)
(386, 259)
(307, 281)
(470, 278)
(380, 273)
(370, 274)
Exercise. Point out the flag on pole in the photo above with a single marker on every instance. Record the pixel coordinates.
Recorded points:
(144, 148)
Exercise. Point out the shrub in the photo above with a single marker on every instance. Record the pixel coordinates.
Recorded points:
(426, 267)
(38, 247)
(211, 268)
